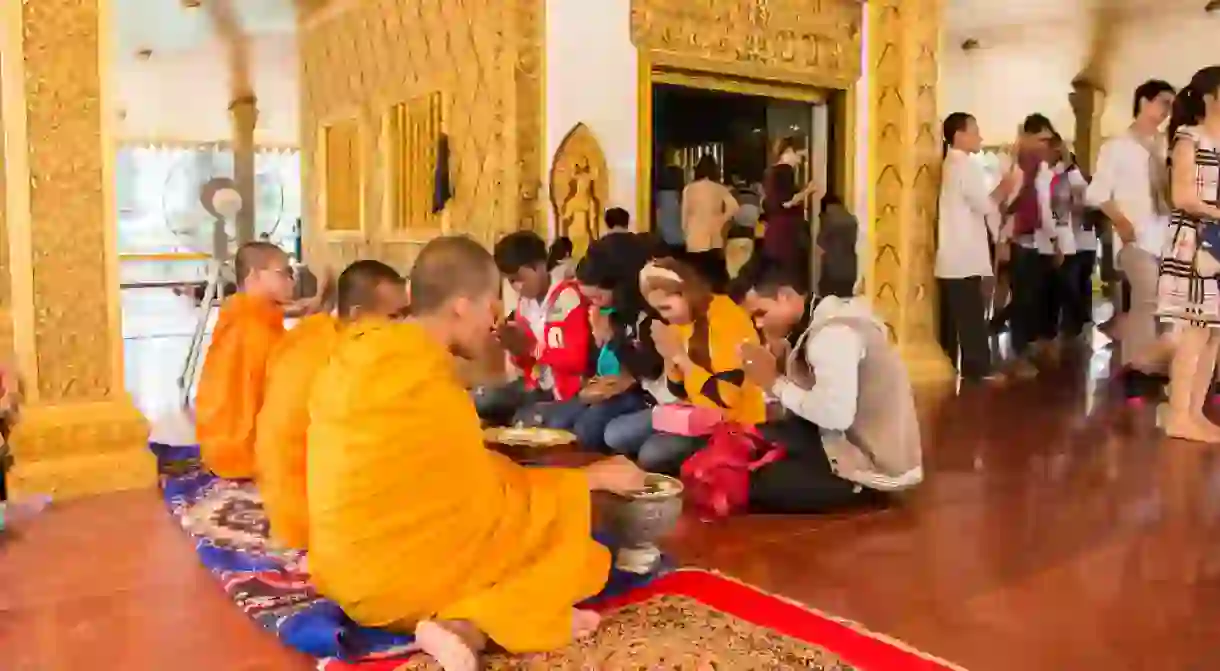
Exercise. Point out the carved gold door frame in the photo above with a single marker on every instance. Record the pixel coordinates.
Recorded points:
(793, 49)
(655, 69)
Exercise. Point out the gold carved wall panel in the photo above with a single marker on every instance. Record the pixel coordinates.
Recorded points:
(485, 56)
(6, 316)
(5, 281)
(343, 182)
(905, 165)
(415, 131)
(67, 230)
(580, 187)
(815, 42)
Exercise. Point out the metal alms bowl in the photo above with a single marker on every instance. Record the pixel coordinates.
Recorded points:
(638, 521)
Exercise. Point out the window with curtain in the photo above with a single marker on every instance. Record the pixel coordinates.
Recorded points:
(157, 197)
(344, 175)
(415, 129)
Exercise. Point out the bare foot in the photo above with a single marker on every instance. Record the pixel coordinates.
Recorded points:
(1022, 369)
(996, 379)
(1187, 429)
(584, 623)
(448, 644)
(1210, 427)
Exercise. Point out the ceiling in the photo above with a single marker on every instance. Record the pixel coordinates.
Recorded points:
(180, 92)
(166, 25)
(975, 18)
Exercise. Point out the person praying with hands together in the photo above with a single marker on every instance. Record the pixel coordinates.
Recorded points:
(849, 426)
(699, 343)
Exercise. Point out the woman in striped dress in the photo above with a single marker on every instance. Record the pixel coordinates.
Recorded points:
(1188, 290)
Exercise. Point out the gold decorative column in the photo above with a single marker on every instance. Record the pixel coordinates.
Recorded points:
(1088, 102)
(904, 158)
(244, 115)
(79, 432)
(1088, 96)
(243, 110)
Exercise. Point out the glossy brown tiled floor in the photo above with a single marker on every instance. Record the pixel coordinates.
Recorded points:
(1056, 530)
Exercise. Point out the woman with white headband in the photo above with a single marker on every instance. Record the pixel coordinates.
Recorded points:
(700, 342)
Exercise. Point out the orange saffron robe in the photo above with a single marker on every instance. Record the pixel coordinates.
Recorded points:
(231, 385)
(279, 437)
(411, 516)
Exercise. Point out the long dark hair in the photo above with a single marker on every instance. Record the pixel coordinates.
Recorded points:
(561, 250)
(1189, 105)
(707, 168)
(783, 144)
(953, 124)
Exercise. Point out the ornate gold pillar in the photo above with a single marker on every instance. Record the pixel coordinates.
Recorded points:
(904, 163)
(1088, 96)
(79, 432)
(1088, 102)
(244, 115)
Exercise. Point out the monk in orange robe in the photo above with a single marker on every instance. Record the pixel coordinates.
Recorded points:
(367, 289)
(414, 524)
(249, 326)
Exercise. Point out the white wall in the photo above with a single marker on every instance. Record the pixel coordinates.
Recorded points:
(862, 177)
(184, 95)
(1017, 71)
(591, 77)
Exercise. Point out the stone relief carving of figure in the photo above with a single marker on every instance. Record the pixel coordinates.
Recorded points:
(581, 210)
(580, 187)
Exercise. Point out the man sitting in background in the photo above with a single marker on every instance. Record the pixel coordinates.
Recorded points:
(837, 234)
(231, 386)
(367, 289)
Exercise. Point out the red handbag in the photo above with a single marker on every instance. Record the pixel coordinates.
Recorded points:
(717, 478)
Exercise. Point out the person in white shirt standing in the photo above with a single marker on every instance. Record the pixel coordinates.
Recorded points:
(1038, 248)
(1129, 186)
(1073, 291)
(963, 256)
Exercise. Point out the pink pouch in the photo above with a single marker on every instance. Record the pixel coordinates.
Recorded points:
(682, 419)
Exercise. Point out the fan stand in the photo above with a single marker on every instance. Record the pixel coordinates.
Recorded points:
(220, 273)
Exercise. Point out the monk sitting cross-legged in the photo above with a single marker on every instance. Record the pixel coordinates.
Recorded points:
(249, 326)
(414, 524)
(367, 290)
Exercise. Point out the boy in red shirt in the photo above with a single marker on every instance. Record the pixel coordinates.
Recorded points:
(547, 336)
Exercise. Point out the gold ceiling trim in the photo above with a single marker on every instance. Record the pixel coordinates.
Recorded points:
(791, 49)
(789, 41)
(221, 145)
(710, 82)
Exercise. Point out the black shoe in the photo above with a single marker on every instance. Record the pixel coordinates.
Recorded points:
(1138, 384)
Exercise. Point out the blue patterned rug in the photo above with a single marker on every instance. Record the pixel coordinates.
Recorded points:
(225, 519)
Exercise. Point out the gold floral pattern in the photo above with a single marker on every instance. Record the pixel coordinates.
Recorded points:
(670, 632)
(71, 289)
(904, 141)
(811, 41)
(486, 58)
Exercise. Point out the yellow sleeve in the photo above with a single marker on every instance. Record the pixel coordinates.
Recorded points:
(729, 328)
(230, 396)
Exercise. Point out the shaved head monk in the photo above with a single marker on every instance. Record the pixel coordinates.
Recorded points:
(250, 324)
(366, 290)
(414, 524)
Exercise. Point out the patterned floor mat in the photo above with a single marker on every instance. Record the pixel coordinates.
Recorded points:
(225, 519)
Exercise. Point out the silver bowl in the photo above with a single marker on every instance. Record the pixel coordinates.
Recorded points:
(638, 521)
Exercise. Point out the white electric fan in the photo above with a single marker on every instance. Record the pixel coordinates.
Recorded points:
(220, 198)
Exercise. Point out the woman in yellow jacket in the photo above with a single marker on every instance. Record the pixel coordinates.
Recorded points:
(700, 343)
